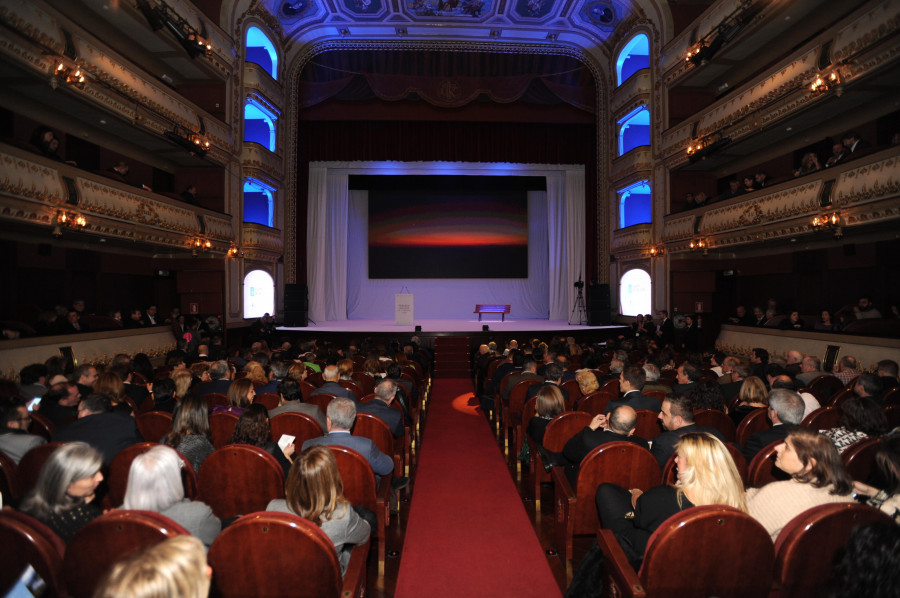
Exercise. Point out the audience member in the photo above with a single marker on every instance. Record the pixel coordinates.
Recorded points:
(190, 431)
(783, 381)
(380, 407)
(785, 412)
(97, 426)
(838, 154)
(752, 396)
(651, 371)
(617, 425)
(870, 563)
(84, 376)
(887, 371)
(253, 428)
(240, 396)
(220, 379)
(33, 381)
(853, 142)
(810, 369)
(706, 394)
(887, 459)
(687, 376)
(707, 475)
(792, 322)
(15, 440)
(869, 385)
(677, 417)
(817, 477)
(314, 490)
(64, 496)
(808, 165)
(292, 402)
(846, 369)
(60, 404)
(154, 484)
(331, 374)
(734, 190)
(825, 323)
(631, 382)
(865, 310)
(174, 567)
(860, 419)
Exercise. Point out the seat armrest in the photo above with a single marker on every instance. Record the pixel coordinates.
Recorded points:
(619, 579)
(354, 585)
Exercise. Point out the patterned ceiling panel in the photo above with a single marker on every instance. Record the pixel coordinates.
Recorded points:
(440, 10)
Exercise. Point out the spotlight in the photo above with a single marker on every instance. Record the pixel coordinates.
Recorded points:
(418, 329)
(485, 328)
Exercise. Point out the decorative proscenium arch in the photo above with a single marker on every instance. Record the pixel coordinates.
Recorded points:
(603, 138)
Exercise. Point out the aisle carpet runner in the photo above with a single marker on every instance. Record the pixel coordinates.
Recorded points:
(468, 534)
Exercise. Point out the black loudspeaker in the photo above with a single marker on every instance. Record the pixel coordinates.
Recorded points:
(296, 319)
(296, 305)
(599, 305)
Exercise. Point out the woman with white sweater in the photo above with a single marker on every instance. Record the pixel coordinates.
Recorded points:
(817, 477)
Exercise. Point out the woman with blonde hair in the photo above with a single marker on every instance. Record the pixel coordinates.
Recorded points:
(154, 484)
(345, 368)
(240, 396)
(587, 381)
(174, 567)
(298, 372)
(63, 498)
(111, 385)
(256, 373)
(314, 490)
(707, 475)
(183, 379)
(752, 396)
(817, 475)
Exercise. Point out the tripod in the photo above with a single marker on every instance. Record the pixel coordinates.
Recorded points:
(579, 315)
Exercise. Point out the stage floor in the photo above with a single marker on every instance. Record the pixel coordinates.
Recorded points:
(450, 326)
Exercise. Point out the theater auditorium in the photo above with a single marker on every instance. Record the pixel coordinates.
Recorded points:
(449, 239)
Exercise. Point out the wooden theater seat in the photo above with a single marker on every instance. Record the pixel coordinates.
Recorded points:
(269, 400)
(753, 422)
(823, 418)
(239, 479)
(321, 400)
(622, 463)
(121, 466)
(221, 428)
(154, 425)
(360, 488)
(596, 402)
(41, 426)
(97, 546)
(648, 424)
(30, 466)
(215, 398)
(512, 415)
(703, 551)
(26, 541)
(9, 480)
(255, 543)
(560, 429)
(859, 458)
(299, 425)
(373, 427)
(713, 418)
(825, 387)
(806, 546)
(761, 470)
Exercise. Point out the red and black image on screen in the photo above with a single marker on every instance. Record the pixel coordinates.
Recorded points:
(449, 227)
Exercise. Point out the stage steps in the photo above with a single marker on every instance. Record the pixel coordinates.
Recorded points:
(451, 357)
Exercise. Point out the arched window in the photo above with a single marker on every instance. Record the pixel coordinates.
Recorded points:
(259, 294)
(258, 203)
(634, 129)
(635, 204)
(261, 51)
(633, 57)
(634, 292)
(259, 125)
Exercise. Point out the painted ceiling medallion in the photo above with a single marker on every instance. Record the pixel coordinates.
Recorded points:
(450, 8)
(600, 14)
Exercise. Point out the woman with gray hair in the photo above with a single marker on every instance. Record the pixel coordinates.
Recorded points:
(154, 484)
(64, 496)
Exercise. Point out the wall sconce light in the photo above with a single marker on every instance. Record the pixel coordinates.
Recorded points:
(829, 221)
(161, 15)
(68, 220)
(235, 251)
(821, 84)
(199, 244)
(700, 244)
(72, 76)
(196, 143)
(657, 251)
(698, 53)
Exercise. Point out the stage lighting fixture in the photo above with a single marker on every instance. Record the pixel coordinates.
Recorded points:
(485, 328)
(418, 329)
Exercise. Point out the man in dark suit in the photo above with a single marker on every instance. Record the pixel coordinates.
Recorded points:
(631, 381)
(617, 425)
(381, 408)
(677, 417)
(687, 376)
(739, 373)
(292, 402)
(529, 372)
(887, 371)
(107, 432)
(552, 377)
(332, 374)
(84, 376)
(340, 416)
(786, 409)
(665, 332)
(220, 379)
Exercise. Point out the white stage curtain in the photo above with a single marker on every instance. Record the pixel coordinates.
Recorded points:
(337, 253)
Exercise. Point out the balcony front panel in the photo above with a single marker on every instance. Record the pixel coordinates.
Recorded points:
(636, 90)
(636, 164)
(257, 161)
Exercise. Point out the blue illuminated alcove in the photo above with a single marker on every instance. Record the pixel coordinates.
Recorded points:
(258, 203)
(259, 125)
(635, 204)
(633, 57)
(261, 51)
(634, 129)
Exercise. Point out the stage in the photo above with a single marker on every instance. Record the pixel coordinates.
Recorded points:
(438, 327)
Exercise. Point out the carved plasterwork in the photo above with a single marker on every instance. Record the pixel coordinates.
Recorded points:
(639, 236)
(763, 208)
(99, 198)
(638, 163)
(673, 62)
(256, 236)
(23, 178)
(218, 227)
(255, 159)
(881, 21)
(678, 227)
(633, 92)
(867, 183)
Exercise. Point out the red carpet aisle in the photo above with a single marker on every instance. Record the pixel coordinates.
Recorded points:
(468, 533)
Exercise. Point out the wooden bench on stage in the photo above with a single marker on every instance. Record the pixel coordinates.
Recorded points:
(491, 309)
